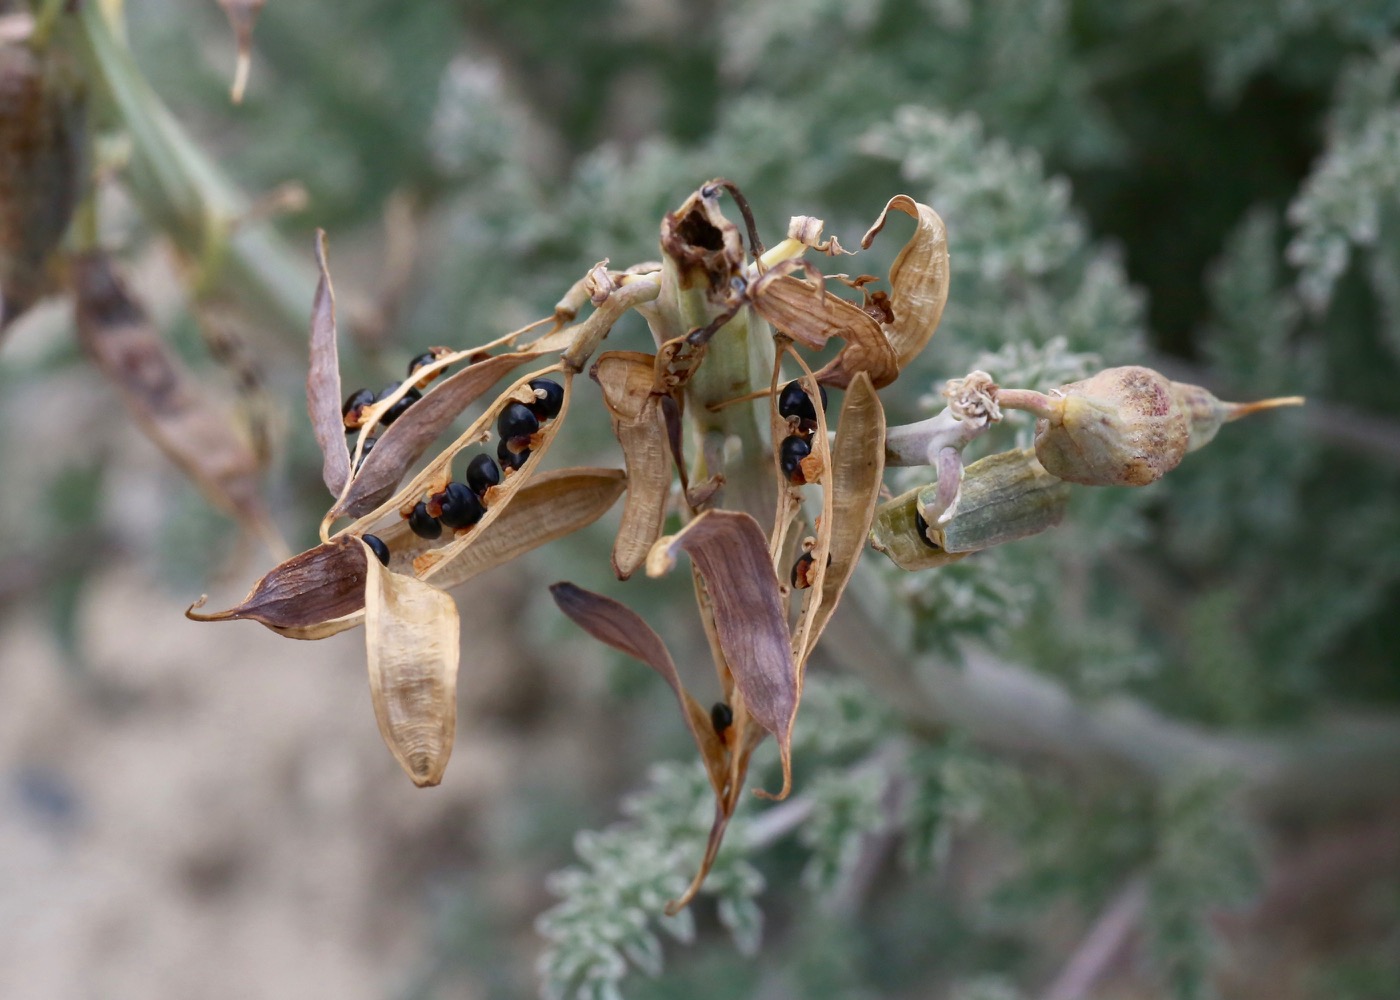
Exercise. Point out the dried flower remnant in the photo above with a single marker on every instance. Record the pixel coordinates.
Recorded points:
(242, 15)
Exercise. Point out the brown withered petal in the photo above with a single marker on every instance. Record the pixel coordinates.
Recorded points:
(620, 627)
(42, 149)
(549, 506)
(810, 315)
(323, 380)
(857, 467)
(731, 552)
(405, 440)
(413, 641)
(242, 15)
(639, 423)
(309, 589)
(918, 278)
(163, 396)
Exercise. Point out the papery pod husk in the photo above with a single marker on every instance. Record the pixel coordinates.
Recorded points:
(700, 248)
(164, 397)
(731, 553)
(42, 168)
(413, 643)
(404, 441)
(639, 424)
(323, 390)
(857, 470)
(1119, 427)
(437, 474)
(305, 592)
(810, 315)
(918, 278)
(548, 507)
(1205, 414)
(620, 627)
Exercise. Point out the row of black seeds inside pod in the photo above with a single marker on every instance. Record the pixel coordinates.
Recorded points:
(353, 412)
(797, 408)
(461, 505)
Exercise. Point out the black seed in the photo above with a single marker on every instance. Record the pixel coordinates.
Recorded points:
(426, 358)
(377, 546)
(355, 403)
(790, 455)
(397, 410)
(553, 401)
(482, 474)
(511, 459)
(461, 508)
(516, 421)
(721, 716)
(922, 525)
(793, 401)
(423, 524)
(364, 452)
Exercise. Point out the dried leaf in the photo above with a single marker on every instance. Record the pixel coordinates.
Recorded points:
(622, 628)
(163, 396)
(42, 149)
(857, 466)
(810, 315)
(639, 423)
(405, 440)
(731, 552)
(918, 278)
(413, 638)
(242, 15)
(323, 380)
(309, 589)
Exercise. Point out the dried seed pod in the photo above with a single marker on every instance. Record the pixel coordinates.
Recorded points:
(1120, 427)
(1205, 414)
(918, 278)
(1004, 497)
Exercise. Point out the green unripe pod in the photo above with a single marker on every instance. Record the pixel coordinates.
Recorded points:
(1205, 414)
(1003, 498)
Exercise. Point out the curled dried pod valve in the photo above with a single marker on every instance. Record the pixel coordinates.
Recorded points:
(1004, 497)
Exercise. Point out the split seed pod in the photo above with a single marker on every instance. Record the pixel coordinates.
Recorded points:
(1004, 497)
(1120, 427)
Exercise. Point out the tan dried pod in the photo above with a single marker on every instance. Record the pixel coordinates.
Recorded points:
(918, 278)
(1120, 427)
(639, 423)
(1205, 414)
(413, 641)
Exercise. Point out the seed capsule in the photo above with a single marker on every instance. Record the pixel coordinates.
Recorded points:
(1121, 427)
(790, 455)
(721, 716)
(516, 421)
(377, 546)
(1205, 414)
(510, 459)
(399, 408)
(461, 508)
(353, 410)
(548, 406)
(482, 474)
(423, 524)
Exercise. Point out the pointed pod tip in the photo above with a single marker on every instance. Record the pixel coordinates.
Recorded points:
(217, 616)
(660, 559)
(1234, 411)
(785, 751)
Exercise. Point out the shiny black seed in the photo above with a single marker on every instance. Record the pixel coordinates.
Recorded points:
(922, 525)
(548, 407)
(721, 716)
(364, 452)
(511, 459)
(461, 508)
(423, 524)
(793, 401)
(354, 405)
(426, 358)
(516, 421)
(482, 474)
(397, 410)
(377, 546)
(790, 455)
